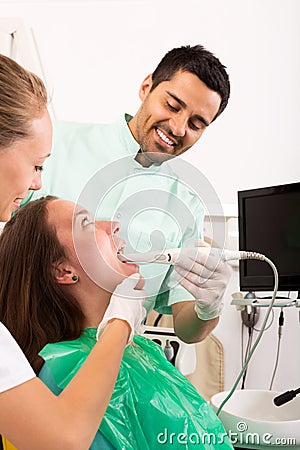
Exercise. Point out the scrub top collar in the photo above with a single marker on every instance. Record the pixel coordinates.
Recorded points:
(132, 145)
(128, 140)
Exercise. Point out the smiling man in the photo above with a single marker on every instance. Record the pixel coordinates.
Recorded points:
(122, 172)
(172, 116)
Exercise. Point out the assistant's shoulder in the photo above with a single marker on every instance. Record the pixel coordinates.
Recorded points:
(6, 339)
(15, 369)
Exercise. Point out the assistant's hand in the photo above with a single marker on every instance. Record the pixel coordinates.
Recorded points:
(126, 303)
(201, 271)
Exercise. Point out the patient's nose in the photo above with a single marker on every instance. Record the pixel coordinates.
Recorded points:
(111, 228)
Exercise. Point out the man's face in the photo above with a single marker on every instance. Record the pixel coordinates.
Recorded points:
(172, 117)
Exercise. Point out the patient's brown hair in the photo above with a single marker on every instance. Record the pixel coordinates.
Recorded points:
(33, 306)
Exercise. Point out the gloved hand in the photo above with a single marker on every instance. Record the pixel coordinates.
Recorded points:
(201, 271)
(126, 303)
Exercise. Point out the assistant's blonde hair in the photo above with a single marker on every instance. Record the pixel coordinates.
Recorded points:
(23, 98)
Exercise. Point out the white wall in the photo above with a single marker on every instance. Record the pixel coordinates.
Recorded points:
(95, 55)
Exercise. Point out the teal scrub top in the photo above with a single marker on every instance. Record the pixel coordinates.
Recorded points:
(94, 165)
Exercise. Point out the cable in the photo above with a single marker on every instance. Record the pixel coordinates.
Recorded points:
(249, 344)
(242, 344)
(280, 325)
(267, 327)
(285, 397)
(253, 255)
(250, 335)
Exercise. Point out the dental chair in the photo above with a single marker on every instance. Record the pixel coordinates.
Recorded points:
(6, 445)
(208, 377)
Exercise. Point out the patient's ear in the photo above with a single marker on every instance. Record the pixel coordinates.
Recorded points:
(64, 273)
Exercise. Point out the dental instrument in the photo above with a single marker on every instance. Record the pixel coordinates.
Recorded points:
(285, 397)
(170, 256)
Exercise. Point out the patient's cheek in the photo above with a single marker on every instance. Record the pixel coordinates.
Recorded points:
(107, 270)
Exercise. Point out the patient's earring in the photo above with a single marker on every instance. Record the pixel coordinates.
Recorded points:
(75, 278)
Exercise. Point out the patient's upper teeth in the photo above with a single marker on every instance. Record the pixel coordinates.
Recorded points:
(121, 249)
(164, 137)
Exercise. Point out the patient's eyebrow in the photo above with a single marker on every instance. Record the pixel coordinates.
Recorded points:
(81, 211)
(184, 106)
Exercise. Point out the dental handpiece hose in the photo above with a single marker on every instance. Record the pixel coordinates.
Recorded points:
(170, 256)
(262, 329)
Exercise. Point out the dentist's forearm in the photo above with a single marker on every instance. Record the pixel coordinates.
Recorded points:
(188, 327)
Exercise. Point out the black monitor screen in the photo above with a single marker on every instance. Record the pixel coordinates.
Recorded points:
(269, 223)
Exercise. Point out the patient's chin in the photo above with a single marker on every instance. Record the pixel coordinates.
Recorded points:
(108, 277)
(128, 269)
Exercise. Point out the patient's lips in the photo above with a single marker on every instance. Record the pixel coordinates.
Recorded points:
(130, 268)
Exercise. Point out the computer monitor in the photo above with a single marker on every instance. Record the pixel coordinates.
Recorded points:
(269, 223)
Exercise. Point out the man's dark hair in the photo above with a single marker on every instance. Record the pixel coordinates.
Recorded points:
(200, 62)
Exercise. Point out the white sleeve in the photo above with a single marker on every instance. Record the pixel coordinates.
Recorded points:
(14, 367)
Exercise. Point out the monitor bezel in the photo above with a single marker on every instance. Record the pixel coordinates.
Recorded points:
(262, 283)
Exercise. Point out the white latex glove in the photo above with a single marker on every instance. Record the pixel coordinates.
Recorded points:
(126, 303)
(201, 271)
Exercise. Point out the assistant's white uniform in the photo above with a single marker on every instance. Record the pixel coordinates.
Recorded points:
(14, 367)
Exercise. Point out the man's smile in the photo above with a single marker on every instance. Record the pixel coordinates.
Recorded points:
(164, 138)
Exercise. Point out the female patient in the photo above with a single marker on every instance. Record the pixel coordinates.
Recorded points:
(68, 263)
(26, 405)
